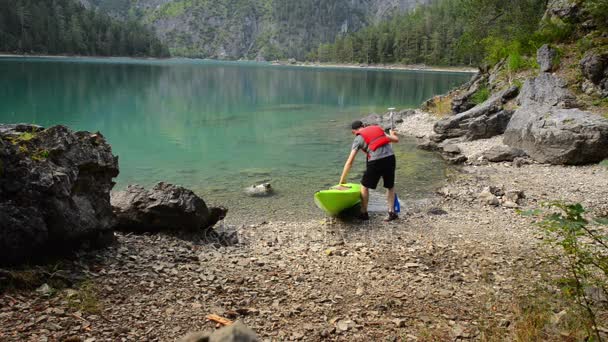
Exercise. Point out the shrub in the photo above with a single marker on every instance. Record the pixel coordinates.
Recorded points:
(584, 247)
(481, 95)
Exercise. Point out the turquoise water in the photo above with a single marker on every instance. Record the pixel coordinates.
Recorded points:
(217, 127)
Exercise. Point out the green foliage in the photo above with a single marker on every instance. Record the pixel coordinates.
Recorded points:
(552, 30)
(481, 95)
(461, 32)
(584, 246)
(604, 163)
(598, 10)
(67, 27)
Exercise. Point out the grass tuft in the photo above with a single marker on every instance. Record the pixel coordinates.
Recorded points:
(86, 299)
(481, 95)
(440, 106)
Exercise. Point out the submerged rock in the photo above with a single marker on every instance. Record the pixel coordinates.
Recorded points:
(259, 190)
(54, 190)
(164, 207)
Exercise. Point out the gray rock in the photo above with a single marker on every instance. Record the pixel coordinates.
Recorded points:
(563, 9)
(462, 103)
(455, 159)
(259, 190)
(436, 211)
(546, 89)
(487, 198)
(514, 196)
(545, 56)
(236, 332)
(427, 145)
(501, 153)
(558, 136)
(384, 120)
(594, 67)
(54, 191)
(487, 126)
(483, 121)
(451, 149)
(164, 207)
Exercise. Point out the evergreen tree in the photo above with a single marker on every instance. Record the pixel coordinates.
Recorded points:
(66, 27)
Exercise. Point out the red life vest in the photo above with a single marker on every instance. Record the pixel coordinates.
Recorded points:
(374, 137)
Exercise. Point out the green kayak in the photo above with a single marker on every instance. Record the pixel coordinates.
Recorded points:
(338, 198)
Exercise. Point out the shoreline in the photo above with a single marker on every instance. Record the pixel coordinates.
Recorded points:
(397, 67)
(394, 67)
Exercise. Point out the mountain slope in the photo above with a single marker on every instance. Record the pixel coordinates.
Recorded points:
(252, 28)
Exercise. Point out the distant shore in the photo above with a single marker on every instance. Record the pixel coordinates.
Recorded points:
(410, 67)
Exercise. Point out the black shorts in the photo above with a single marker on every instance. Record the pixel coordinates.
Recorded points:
(384, 168)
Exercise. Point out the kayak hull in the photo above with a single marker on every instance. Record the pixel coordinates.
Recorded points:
(338, 198)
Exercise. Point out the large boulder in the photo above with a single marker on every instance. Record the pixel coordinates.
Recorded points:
(558, 135)
(594, 67)
(54, 190)
(546, 89)
(164, 207)
(483, 121)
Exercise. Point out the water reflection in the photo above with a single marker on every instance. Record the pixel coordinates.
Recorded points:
(206, 125)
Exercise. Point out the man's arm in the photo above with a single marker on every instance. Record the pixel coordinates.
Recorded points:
(393, 137)
(348, 165)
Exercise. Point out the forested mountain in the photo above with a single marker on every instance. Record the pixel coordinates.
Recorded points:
(268, 29)
(447, 32)
(67, 27)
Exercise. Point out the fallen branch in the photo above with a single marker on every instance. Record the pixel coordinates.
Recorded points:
(219, 319)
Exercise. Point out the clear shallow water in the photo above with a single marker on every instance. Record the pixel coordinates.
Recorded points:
(217, 127)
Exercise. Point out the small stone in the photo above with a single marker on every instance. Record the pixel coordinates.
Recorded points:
(399, 322)
(344, 325)
(359, 291)
(44, 290)
(509, 204)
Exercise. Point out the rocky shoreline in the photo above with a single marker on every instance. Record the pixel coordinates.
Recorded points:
(431, 275)
(461, 265)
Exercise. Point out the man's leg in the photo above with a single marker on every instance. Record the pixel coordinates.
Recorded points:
(390, 199)
(364, 199)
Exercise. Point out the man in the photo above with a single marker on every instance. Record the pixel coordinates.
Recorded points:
(380, 164)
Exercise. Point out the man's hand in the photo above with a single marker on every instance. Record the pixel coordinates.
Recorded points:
(393, 136)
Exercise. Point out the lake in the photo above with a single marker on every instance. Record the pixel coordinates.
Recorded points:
(217, 127)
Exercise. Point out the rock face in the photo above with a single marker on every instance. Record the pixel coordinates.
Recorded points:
(594, 67)
(545, 57)
(246, 29)
(164, 207)
(483, 121)
(54, 190)
(559, 136)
